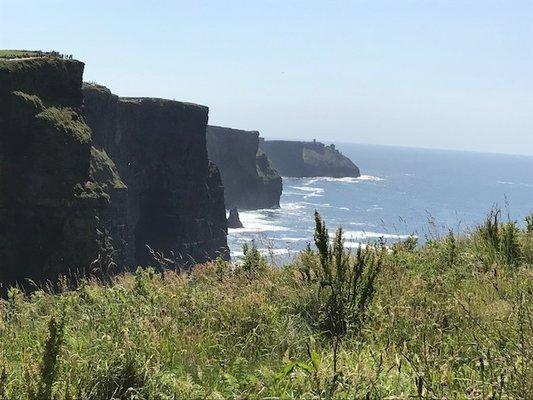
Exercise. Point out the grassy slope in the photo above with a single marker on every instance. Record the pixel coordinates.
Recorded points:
(450, 320)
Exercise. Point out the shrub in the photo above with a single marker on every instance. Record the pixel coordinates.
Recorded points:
(50, 361)
(344, 285)
(529, 223)
(499, 242)
(509, 248)
(252, 263)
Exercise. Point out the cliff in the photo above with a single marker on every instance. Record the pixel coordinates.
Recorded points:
(175, 196)
(306, 159)
(249, 180)
(50, 196)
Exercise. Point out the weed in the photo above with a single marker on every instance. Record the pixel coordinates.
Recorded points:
(344, 286)
(252, 263)
(50, 361)
(529, 223)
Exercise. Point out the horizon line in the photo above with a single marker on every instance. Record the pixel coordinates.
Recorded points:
(326, 141)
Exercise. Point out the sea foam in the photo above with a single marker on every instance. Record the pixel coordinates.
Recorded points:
(365, 235)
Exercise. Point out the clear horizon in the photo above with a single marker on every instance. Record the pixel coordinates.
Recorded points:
(455, 75)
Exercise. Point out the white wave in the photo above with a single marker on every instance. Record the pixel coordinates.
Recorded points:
(347, 179)
(514, 183)
(276, 251)
(292, 193)
(290, 239)
(308, 189)
(291, 208)
(354, 245)
(370, 178)
(255, 221)
(365, 235)
(361, 224)
(318, 204)
(265, 252)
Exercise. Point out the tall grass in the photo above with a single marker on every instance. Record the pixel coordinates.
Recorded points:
(442, 320)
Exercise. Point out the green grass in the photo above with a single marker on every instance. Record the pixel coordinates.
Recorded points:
(104, 171)
(67, 121)
(449, 320)
(18, 53)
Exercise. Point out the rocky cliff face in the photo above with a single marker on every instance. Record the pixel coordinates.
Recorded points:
(306, 159)
(248, 178)
(175, 197)
(50, 196)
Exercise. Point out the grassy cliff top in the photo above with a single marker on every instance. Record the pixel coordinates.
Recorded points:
(18, 53)
(96, 87)
(161, 102)
(452, 319)
(11, 54)
(15, 65)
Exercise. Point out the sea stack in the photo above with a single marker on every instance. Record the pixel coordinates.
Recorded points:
(233, 220)
(308, 159)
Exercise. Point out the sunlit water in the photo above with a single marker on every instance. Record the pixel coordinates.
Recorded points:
(401, 191)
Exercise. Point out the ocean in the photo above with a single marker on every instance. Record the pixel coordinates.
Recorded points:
(401, 192)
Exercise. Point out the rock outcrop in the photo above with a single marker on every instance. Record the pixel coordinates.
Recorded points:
(175, 196)
(233, 220)
(307, 159)
(51, 198)
(249, 180)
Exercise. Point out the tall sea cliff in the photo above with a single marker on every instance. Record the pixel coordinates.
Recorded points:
(175, 200)
(51, 196)
(249, 180)
(307, 159)
(90, 182)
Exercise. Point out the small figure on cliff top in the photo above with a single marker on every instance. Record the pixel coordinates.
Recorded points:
(234, 220)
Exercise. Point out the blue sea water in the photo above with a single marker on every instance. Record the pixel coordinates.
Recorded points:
(401, 191)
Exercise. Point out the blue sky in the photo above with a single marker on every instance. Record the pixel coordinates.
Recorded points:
(439, 74)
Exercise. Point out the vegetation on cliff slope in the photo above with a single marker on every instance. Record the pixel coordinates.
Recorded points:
(450, 319)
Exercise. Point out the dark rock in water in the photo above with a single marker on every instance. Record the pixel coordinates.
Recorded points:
(249, 180)
(306, 159)
(175, 197)
(51, 196)
(233, 219)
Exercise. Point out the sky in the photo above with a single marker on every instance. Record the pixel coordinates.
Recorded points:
(436, 74)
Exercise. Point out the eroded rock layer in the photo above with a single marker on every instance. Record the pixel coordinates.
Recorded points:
(306, 159)
(175, 197)
(249, 180)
